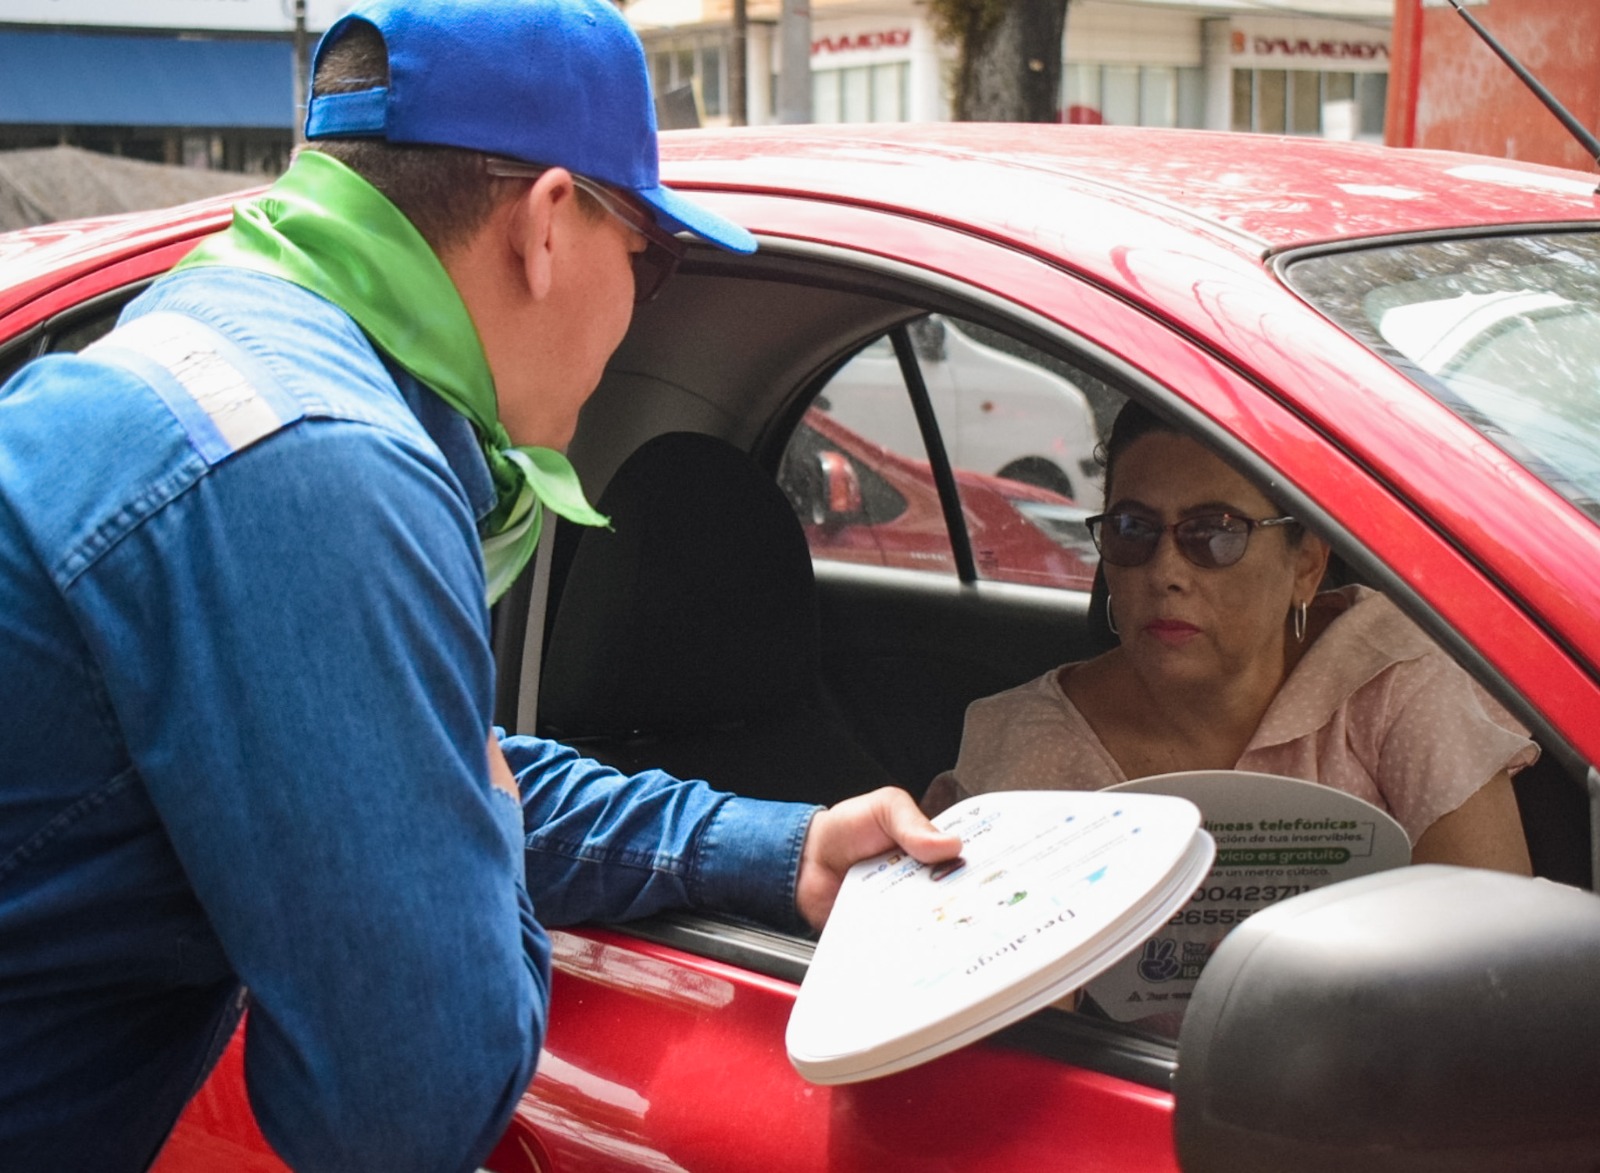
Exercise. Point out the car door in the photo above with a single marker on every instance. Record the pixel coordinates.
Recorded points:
(664, 1030)
(702, 1003)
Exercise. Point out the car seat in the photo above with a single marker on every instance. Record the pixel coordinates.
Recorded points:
(686, 637)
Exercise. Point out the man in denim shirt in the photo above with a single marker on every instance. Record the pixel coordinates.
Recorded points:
(247, 545)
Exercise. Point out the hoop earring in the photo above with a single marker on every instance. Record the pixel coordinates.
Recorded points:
(1299, 614)
(1111, 620)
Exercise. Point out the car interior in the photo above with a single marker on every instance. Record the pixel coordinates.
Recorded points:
(898, 654)
(688, 638)
(698, 634)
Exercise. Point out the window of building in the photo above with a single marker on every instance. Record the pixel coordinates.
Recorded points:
(1119, 95)
(711, 73)
(1272, 90)
(699, 61)
(1134, 95)
(1305, 103)
(1158, 97)
(1310, 102)
(1372, 97)
(1244, 109)
(862, 93)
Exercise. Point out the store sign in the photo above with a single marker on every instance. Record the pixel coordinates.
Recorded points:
(1264, 43)
(265, 16)
(1263, 48)
(862, 42)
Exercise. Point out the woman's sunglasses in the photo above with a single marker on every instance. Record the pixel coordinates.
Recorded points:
(662, 251)
(1210, 541)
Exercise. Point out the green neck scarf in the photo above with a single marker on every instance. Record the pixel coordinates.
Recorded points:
(327, 230)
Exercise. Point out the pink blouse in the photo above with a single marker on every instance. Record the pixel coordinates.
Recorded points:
(1373, 708)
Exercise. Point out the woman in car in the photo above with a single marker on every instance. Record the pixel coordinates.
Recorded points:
(1229, 658)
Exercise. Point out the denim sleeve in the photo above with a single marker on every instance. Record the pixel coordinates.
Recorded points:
(295, 652)
(601, 845)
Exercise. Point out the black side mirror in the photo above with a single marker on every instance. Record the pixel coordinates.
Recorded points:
(1421, 1020)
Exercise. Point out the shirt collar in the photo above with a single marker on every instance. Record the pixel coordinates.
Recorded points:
(1367, 635)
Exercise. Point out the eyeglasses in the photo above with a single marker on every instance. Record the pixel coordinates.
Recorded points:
(662, 251)
(1211, 540)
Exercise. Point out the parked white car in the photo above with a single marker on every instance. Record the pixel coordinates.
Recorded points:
(999, 413)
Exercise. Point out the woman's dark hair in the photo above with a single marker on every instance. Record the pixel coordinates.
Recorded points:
(1135, 421)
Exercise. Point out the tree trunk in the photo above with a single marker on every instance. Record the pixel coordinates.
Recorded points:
(1009, 63)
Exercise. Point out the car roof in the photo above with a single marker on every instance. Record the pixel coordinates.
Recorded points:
(1083, 192)
(1258, 194)
(36, 260)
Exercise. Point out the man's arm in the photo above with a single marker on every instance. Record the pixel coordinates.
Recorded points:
(601, 845)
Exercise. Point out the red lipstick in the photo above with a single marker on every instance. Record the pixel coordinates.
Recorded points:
(1172, 632)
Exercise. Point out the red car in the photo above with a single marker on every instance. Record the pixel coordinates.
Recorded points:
(861, 502)
(1404, 344)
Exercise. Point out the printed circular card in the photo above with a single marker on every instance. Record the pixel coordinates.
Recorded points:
(1050, 889)
(1276, 837)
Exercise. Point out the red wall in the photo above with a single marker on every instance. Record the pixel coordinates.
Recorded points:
(1448, 89)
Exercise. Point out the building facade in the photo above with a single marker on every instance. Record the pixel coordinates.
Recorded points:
(1453, 93)
(1185, 63)
(214, 83)
(207, 83)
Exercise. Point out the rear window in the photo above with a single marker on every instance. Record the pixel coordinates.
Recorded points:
(1503, 330)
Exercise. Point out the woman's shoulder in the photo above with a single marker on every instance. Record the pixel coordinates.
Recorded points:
(1364, 625)
(1042, 695)
(1361, 637)
(1043, 705)
(1031, 737)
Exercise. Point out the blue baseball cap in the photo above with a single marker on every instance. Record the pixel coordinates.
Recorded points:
(561, 83)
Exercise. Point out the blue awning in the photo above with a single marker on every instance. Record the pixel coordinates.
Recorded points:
(85, 80)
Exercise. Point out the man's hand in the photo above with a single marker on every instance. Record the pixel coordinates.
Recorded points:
(857, 829)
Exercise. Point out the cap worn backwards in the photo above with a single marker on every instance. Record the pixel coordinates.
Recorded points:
(556, 82)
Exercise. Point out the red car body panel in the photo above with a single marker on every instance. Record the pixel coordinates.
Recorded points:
(714, 1092)
(1158, 247)
(1185, 187)
(720, 1094)
(40, 265)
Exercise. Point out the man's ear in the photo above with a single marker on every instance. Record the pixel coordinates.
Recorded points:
(535, 226)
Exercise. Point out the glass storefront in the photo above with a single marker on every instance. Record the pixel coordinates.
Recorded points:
(1134, 95)
(1302, 101)
(862, 93)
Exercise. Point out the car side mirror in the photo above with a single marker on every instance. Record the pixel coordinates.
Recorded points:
(1424, 1020)
(823, 486)
(841, 488)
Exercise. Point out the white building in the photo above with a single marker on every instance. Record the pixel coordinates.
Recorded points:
(1240, 64)
(213, 82)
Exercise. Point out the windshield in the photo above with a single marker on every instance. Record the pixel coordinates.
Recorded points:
(1505, 331)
